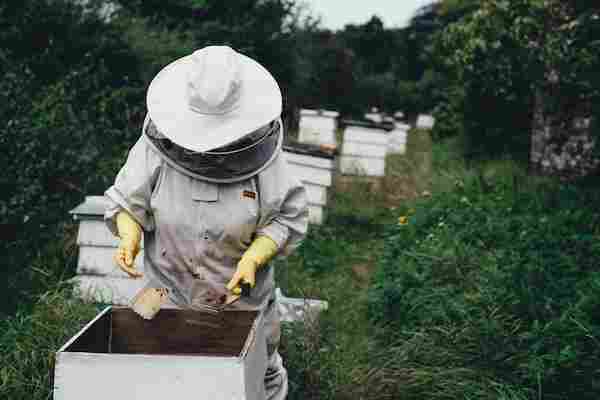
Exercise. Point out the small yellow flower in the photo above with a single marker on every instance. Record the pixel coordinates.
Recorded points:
(403, 220)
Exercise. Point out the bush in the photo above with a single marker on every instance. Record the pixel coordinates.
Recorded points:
(69, 97)
(505, 52)
(498, 279)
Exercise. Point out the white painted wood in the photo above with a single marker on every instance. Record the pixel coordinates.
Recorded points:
(363, 150)
(315, 214)
(425, 121)
(101, 376)
(298, 309)
(375, 117)
(398, 115)
(310, 161)
(98, 260)
(330, 114)
(316, 129)
(316, 176)
(93, 232)
(93, 376)
(105, 289)
(401, 126)
(308, 111)
(365, 135)
(352, 165)
(397, 142)
(397, 148)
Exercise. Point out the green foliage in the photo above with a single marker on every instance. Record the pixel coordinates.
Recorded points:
(29, 341)
(69, 98)
(506, 51)
(497, 277)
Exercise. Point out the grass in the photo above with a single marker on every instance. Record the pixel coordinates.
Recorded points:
(28, 341)
(336, 263)
(488, 291)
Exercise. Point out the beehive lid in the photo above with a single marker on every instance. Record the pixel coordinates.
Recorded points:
(92, 207)
(310, 149)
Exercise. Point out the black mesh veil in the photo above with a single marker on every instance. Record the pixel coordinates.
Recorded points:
(232, 162)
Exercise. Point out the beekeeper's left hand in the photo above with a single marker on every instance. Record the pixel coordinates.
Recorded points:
(260, 252)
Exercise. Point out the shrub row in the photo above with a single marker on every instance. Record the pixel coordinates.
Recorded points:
(498, 280)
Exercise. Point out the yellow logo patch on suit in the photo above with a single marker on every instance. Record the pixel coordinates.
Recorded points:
(249, 194)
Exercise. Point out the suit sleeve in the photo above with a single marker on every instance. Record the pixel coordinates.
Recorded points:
(133, 187)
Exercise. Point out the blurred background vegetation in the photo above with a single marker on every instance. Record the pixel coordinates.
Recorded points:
(489, 291)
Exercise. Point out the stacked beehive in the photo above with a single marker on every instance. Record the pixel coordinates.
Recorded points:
(397, 139)
(315, 168)
(97, 276)
(363, 151)
(317, 127)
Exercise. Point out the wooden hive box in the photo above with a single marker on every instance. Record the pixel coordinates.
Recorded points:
(397, 139)
(180, 354)
(315, 168)
(363, 151)
(98, 278)
(317, 127)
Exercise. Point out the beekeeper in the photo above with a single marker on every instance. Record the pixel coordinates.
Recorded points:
(209, 187)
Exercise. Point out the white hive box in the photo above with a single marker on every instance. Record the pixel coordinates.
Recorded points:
(425, 121)
(315, 170)
(179, 354)
(298, 309)
(98, 278)
(316, 127)
(363, 151)
(330, 114)
(397, 139)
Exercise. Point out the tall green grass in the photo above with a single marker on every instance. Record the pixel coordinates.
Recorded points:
(486, 290)
(28, 341)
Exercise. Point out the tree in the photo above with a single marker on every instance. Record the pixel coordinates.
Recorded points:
(509, 55)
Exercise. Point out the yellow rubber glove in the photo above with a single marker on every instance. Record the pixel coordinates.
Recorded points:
(260, 252)
(130, 233)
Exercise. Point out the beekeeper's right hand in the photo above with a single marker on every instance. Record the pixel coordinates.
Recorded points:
(130, 233)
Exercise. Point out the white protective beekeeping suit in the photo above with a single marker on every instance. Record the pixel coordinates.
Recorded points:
(197, 227)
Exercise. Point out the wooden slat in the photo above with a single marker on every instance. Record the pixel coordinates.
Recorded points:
(351, 165)
(96, 233)
(93, 206)
(92, 376)
(99, 261)
(316, 129)
(309, 161)
(316, 176)
(364, 135)
(364, 150)
(397, 148)
(174, 331)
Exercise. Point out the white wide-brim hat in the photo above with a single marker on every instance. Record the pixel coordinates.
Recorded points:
(211, 98)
